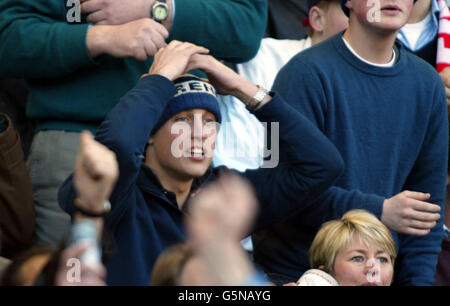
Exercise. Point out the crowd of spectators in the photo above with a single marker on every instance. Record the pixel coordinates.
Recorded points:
(224, 142)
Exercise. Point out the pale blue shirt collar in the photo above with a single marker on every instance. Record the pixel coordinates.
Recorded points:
(429, 32)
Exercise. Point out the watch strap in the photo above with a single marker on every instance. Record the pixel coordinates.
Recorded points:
(257, 98)
(79, 208)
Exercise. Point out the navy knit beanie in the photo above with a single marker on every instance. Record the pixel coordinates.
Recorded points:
(192, 92)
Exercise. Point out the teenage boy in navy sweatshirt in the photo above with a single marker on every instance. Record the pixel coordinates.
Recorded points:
(151, 196)
(79, 57)
(385, 110)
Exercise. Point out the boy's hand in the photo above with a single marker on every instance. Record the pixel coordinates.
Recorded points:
(96, 172)
(224, 79)
(172, 61)
(408, 213)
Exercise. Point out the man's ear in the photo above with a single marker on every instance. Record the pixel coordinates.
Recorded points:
(316, 19)
(151, 141)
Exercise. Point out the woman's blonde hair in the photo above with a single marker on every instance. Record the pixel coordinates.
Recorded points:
(336, 235)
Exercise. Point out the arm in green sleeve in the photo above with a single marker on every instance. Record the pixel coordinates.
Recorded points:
(231, 29)
(37, 42)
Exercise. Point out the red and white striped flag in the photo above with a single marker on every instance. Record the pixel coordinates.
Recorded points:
(443, 49)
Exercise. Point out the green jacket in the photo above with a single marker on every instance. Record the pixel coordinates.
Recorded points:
(71, 91)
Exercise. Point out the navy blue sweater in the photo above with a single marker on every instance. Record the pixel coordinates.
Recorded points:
(390, 126)
(145, 218)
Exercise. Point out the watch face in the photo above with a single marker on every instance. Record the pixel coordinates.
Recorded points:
(160, 12)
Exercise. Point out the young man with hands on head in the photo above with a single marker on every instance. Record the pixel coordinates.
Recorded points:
(168, 113)
(79, 58)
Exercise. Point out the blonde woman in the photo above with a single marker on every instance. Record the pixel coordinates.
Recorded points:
(356, 250)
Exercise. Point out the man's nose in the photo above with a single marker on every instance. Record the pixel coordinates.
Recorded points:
(197, 128)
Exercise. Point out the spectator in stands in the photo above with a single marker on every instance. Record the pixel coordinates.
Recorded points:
(385, 110)
(80, 57)
(240, 143)
(357, 250)
(162, 163)
(16, 193)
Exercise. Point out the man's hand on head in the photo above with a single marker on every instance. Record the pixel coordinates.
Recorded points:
(224, 79)
(140, 39)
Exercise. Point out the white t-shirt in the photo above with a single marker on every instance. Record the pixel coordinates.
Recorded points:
(390, 64)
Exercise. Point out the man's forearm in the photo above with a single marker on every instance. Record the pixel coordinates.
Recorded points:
(95, 40)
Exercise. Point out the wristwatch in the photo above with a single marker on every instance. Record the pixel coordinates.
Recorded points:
(78, 206)
(258, 98)
(159, 11)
